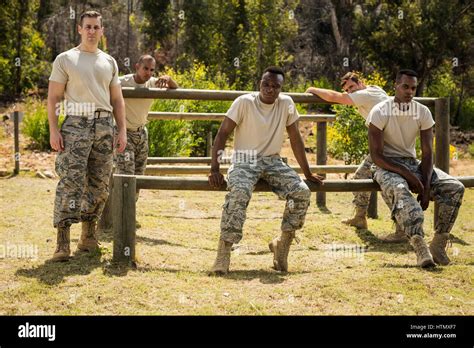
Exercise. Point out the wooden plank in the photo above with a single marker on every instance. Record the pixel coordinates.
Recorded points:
(201, 94)
(16, 136)
(321, 158)
(201, 184)
(372, 210)
(175, 170)
(124, 218)
(161, 160)
(442, 141)
(214, 116)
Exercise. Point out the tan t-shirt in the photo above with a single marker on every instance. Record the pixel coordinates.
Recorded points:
(88, 77)
(261, 127)
(365, 99)
(400, 128)
(136, 109)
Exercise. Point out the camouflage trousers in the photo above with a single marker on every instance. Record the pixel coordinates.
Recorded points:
(84, 169)
(406, 211)
(361, 199)
(133, 160)
(284, 181)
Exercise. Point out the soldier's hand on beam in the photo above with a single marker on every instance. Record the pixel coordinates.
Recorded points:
(121, 141)
(163, 81)
(56, 141)
(216, 179)
(318, 180)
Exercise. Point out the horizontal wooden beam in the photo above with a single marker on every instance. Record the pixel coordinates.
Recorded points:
(202, 94)
(186, 160)
(198, 184)
(208, 116)
(180, 170)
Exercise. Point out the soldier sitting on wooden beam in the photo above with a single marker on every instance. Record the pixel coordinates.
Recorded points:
(394, 125)
(259, 120)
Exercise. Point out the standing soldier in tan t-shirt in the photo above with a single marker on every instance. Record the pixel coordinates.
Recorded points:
(87, 78)
(260, 120)
(364, 98)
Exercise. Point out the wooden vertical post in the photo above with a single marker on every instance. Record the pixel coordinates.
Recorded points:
(209, 144)
(124, 210)
(372, 211)
(321, 158)
(442, 140)
(16, 132)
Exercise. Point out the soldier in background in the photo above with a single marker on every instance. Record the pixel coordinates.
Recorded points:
(88, 79)
(133, 160)
(364, 98)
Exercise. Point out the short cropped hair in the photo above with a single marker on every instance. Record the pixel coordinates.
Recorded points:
(145, 57)
(350, 76)
(91, 14)
(407, 72)
(274, 70)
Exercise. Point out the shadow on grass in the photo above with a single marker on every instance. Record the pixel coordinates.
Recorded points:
(53, 273)
(324, 210)
(265, 276)
(377, 244)
(436, 269)
(107, 236)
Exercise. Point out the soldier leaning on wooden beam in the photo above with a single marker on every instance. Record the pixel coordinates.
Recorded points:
(88, 79)
(133, 160)
(259, 120)
(394, 125)
(364, 98)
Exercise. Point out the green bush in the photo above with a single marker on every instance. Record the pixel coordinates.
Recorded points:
(35, 124)
(347, 136)
(466, 117)
(193, 140)
(169, 138)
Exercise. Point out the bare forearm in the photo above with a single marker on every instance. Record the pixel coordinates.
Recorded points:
(53, 112)
(297, 146)
(217, 150)
(119, 113)
(427, 169)
(325, 94)
(386, 163)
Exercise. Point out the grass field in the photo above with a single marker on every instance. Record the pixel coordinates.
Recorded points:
(177, 245)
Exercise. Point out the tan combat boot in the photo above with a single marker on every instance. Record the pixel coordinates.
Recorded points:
(438, 248)
(222, 263)
(88, 241)
(280, 247)
(423, 256)
(359, 220)
(63, 250)
(398, 237)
